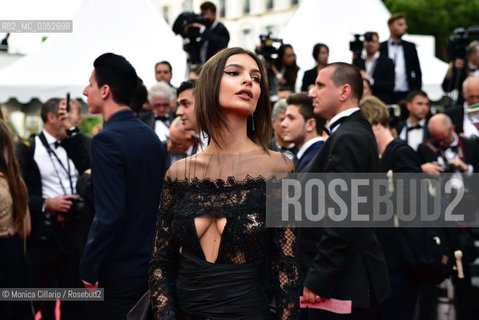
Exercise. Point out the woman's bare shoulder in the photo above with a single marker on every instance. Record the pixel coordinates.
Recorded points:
(279, 162)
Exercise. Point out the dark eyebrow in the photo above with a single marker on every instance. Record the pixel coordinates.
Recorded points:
(241, 67)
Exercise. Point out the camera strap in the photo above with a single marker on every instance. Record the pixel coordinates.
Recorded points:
(51, 152)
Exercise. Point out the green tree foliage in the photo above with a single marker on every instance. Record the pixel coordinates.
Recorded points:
(437, 17)
(87, 124)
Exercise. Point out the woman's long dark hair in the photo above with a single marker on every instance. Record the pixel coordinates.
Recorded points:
(10, 168)
(291, 72)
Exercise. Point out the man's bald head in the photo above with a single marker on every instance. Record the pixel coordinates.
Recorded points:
(440, 121)
(179, 138)
(470, 90)
(441, 129)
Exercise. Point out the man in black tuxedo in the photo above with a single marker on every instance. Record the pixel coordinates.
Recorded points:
(161, 96)
(465, 124)
(127, 164)
(407, 69)
(378, 69)
(413, 130)
(58, 230)
(343, 263)
(302, 127)
(213, 35)
(459, 69)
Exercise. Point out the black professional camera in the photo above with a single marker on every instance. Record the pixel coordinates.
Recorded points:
(356, 46)
(268, 47)
(191, 36)
(449, 168)
(185, 19)
(78, 204)
(459, 40)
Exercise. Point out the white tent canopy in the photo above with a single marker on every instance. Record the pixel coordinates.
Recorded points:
(64, 62)
(335, 22)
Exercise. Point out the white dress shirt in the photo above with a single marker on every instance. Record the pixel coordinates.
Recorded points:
(51, 171)
(470, 130)
(306, 146)
(162, 130)
(414, 136)
(370, 66)
(396, 53)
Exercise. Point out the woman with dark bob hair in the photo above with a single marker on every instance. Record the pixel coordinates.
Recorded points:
(320, 54)
(212, 249)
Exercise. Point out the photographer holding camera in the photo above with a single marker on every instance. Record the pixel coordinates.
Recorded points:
(58, 230)
(213, 34)
(446, 151)
(465, 63)
(378, 69)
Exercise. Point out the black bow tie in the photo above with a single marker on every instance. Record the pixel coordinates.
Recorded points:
(283, 149)
(399, 43)
(161, 118)
(56, 144)
(417, 126)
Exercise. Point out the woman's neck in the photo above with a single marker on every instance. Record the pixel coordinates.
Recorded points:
(384, 140)
(320, 66)
(234, 139)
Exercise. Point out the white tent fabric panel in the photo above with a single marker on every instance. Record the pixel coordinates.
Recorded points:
(335, 22)
(64, 62)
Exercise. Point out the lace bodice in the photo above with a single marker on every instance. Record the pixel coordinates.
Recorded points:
(245, 239)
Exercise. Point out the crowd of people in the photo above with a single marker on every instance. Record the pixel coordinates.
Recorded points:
(165, 207)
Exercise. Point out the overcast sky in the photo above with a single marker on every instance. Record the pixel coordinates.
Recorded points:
(37, 10)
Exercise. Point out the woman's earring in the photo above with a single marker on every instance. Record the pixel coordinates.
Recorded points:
(252, 122)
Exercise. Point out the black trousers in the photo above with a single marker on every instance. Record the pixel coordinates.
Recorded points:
(13, 274)
(402, 303)
(120, 296)
(50, 267)
(397, 96)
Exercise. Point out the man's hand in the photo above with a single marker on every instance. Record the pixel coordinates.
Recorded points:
(63, 115)
(194, 25)
(60, 204)
(432, 168)
(459, 164)
(459, 63)
(311, 297)
(365, 75)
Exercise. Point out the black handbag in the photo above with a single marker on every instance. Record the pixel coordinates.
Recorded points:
(142, 309)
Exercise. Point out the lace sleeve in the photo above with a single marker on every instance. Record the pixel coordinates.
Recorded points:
(163, 265)
(285, 272)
